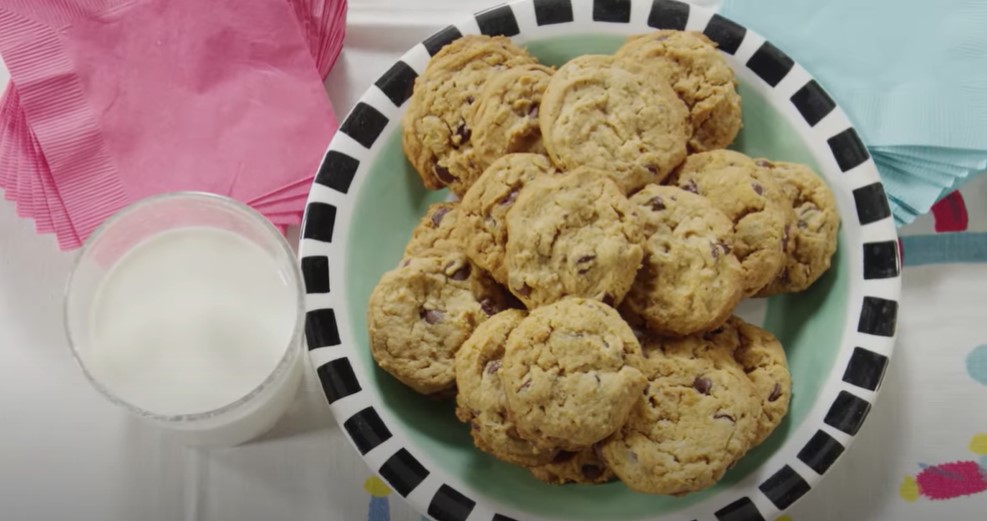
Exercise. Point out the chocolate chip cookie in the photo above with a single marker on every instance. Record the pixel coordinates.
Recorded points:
(584, 466)
(504, 117)
(421, 313)
(621, 118)
(434, 233)
(763, 359)
(572, 235)
(480, 400)
(699, 414)
(700, 76)
(690, 279)
(436, 136)
(569, 374)
(817, 223)
(761, 212)
(482, 228)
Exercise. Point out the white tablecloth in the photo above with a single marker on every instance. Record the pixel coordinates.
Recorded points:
(66, 453)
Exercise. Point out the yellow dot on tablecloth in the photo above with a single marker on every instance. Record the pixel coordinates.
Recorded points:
(979, 444)
(784, 518)
(908, 489)
(375, 487)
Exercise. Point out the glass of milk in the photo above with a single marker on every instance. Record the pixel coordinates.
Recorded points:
(187, 310)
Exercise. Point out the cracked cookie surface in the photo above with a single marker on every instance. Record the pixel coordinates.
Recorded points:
(504, 117)
(436, 136)
(480, 401)
(482, 228)
(570, 374)
(817, 223)
(690, 280)
(753, 201)
(434, 234)
(621, 118)
(700, 76)
(572, 234)
(699, 414)
(420, 314)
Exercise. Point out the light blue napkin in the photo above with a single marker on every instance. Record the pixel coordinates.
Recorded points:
(911, 74)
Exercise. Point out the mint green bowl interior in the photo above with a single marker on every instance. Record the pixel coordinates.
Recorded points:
(389, 205)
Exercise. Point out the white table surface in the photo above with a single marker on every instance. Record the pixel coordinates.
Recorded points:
(67, 454)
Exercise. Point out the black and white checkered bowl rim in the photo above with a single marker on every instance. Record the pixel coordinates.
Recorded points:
(846, 399)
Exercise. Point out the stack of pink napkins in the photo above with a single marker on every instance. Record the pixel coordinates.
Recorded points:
(112, 101)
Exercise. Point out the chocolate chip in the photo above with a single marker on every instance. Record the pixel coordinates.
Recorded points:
(597, 378)
(563, 456)
(784, 239)
(474, 426)
(442, 173)
(803, 225)
(432, 316)
(710, 334)
(715, 249)
(775, 393)
(489, 307)
(720, 415)
(470, 100)
(583, 260)
(763, 163)
(757, 188)
(657, 203)
(533, 111)
(591, 471)
(524, 290)
(462, 273)
(463, 133)
(631, 455)
(690, 186)
(702, 384)
(405, 263)
(608, 299)
(652, 168)
(509, 198)
(513, 433)
(492, 367)
(524, 385)
(438, 215)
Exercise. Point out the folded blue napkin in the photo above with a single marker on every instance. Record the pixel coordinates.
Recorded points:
(911, 74)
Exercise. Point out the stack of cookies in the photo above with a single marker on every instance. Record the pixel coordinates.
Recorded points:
(578, 297)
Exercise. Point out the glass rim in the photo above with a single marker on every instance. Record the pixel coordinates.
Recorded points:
(292, 349)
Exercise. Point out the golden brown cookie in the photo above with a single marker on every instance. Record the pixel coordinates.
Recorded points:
(700, 76)
(421, 313)
(569, 374)
(817, 223)
(480, 400)
(504, 118)
(622, 119)
(434, 233)
(699, 414)
(435, 136)
(754, 201)
(572, 235)
(690, 280)
(584, 466)
(482, 227)
(763, 359)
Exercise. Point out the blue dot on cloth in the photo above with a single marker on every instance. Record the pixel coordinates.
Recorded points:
(976, 364)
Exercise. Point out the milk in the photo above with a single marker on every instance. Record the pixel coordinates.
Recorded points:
(190, 320)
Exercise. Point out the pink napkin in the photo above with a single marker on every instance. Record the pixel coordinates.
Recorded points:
(113, 103)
